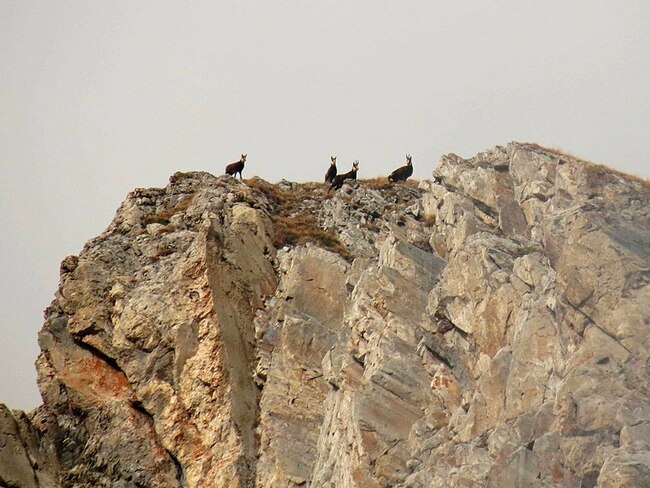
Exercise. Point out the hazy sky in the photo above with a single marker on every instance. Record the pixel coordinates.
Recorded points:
(98, 98)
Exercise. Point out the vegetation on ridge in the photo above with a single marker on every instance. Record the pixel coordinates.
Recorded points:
(291, 224)
(164, 216)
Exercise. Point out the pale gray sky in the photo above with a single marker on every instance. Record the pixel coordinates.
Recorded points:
(97, 98)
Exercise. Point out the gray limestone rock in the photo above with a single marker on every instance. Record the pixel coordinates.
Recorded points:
(486, 328)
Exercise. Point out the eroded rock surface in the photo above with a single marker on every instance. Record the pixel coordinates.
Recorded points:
(488, 327)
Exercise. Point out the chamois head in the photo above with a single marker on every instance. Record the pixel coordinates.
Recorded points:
(243, 158)
(333, 159)
(355, 165)
(408, 160)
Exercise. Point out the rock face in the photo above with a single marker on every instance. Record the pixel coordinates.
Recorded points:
(487, 328)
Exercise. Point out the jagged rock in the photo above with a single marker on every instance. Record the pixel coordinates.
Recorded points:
(308, 320)
(486, 328)
(22, 462)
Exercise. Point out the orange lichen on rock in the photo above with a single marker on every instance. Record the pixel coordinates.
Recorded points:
(94, 377)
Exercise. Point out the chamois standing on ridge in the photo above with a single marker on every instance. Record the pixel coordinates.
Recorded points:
(233, 168)
(338, 180)
(400, 174)
(331, 171)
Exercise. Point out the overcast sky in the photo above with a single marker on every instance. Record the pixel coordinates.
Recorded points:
(98, 98)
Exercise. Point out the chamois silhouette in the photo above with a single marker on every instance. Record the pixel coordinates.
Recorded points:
(237, 167)
(331, 171)
(400, 174)
(338, 180)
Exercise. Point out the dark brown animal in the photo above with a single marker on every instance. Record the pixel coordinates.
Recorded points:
(331, 171)
(338, 180)
(400, 174)
(233, 168)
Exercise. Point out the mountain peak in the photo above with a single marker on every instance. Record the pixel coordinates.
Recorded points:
(487, 327)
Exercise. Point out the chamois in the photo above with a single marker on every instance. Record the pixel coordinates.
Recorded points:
(233, 168)
(331, 171)
(400, 174)
(338, 180)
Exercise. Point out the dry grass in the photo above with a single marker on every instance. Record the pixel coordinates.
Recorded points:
(429, 221)
(603, 168)
(301, 229)
(165, 251)
(378, 183)
(164, 216)
(285, 200)
(274, 193)
(293, 224)
(381, 183)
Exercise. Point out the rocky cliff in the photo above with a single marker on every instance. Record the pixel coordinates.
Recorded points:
(488, 327)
